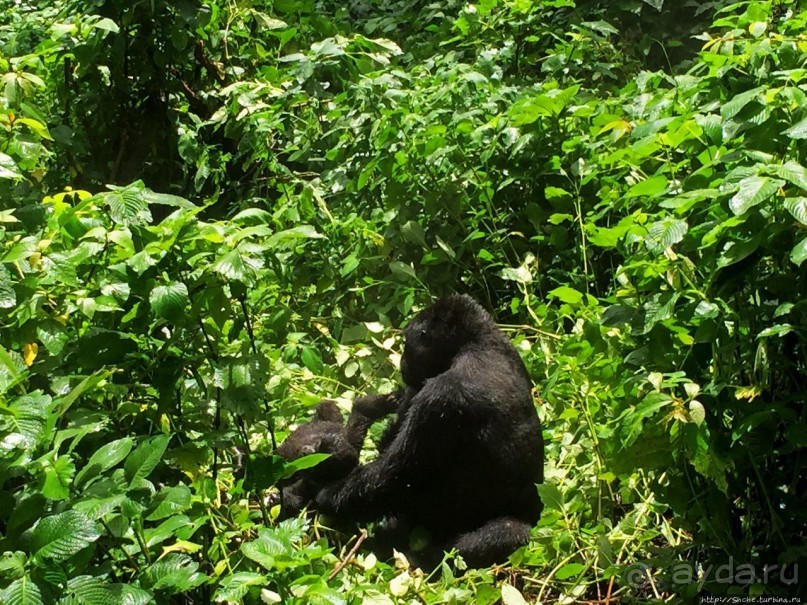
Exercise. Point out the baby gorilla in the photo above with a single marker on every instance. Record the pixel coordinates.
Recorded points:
(326, 433)
(465, 452)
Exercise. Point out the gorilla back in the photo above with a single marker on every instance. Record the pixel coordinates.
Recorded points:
(464, 455)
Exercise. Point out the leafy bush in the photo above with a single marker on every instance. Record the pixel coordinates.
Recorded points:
(213, 214)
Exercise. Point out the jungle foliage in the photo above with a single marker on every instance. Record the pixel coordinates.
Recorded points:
(214, 213)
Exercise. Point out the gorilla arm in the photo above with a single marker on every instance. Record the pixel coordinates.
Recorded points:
(366, 411)
(375, 489)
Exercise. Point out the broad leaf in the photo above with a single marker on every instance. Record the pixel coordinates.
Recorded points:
(107, 456)
(753, 190)
(293, 235)
(798, 130)
(794, 173)
(8, 167)
(145, 459)
(58, 537)
(22, 591)
(799, 252)
(512, 596)
(127, 206)
(170, 300)
(797, 206)
(302, 463)
(237, 266)
(89, 590)
(175, 573)
(650, 187)
(664, 233)
(567, 295)
(569, 571)
(170, 501)
(735, 105)
(235, 587)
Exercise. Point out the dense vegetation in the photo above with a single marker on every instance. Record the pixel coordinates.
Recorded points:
(214, 213)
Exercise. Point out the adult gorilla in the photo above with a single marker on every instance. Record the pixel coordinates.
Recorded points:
(465, 452)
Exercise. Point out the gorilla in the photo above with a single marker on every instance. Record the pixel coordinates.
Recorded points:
(462, 458)
(326, 433)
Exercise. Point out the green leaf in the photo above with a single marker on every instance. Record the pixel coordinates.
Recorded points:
(602, 27)
(570, 570)
(556, 193)
(27, 422)
(617, 315)
(89, 590)
(697, 413)
(170, 300)
(567, 295)
(664, 233)
(293, 235)
(238, 267)
(87, 384)
(777, 330)
(170, 501)
(235, 587)
(413, 232)
(559, 218)
(132, 595)
(651, 187)
(797, 131)
(8, 167)
(127, 206)
(529, 109)
(12, 564)
(799, 252)
(753, 190)
(22, 591)
(38, 127)
(58, 475)
(312, 360)
(734, 252)
(12, 366)
(23, 249)
(712, 125)
(551, 496)
(269, 551)
(175, 573)
(402, 271)
(520, 274)
(107, 24)
(733, 107)
(165, 199)
(797, 206)
(512, 596)
(165, 530)
(794, 173)
(107, 456)
(646, 408)
(302, 463)
(268, 22)
(328, 48)
(58, 537)
(8, 296)
(145, 459)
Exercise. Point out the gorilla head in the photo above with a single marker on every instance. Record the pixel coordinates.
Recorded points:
(435, 338)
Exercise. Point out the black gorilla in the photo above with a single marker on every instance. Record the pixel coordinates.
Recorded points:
(465, 452)
(326, 433)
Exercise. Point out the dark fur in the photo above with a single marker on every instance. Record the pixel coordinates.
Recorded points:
(464, 455)
(326, 433)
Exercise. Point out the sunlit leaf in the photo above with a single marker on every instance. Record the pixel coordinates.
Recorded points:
(753, 190)
(169, 300)
(57, 537)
